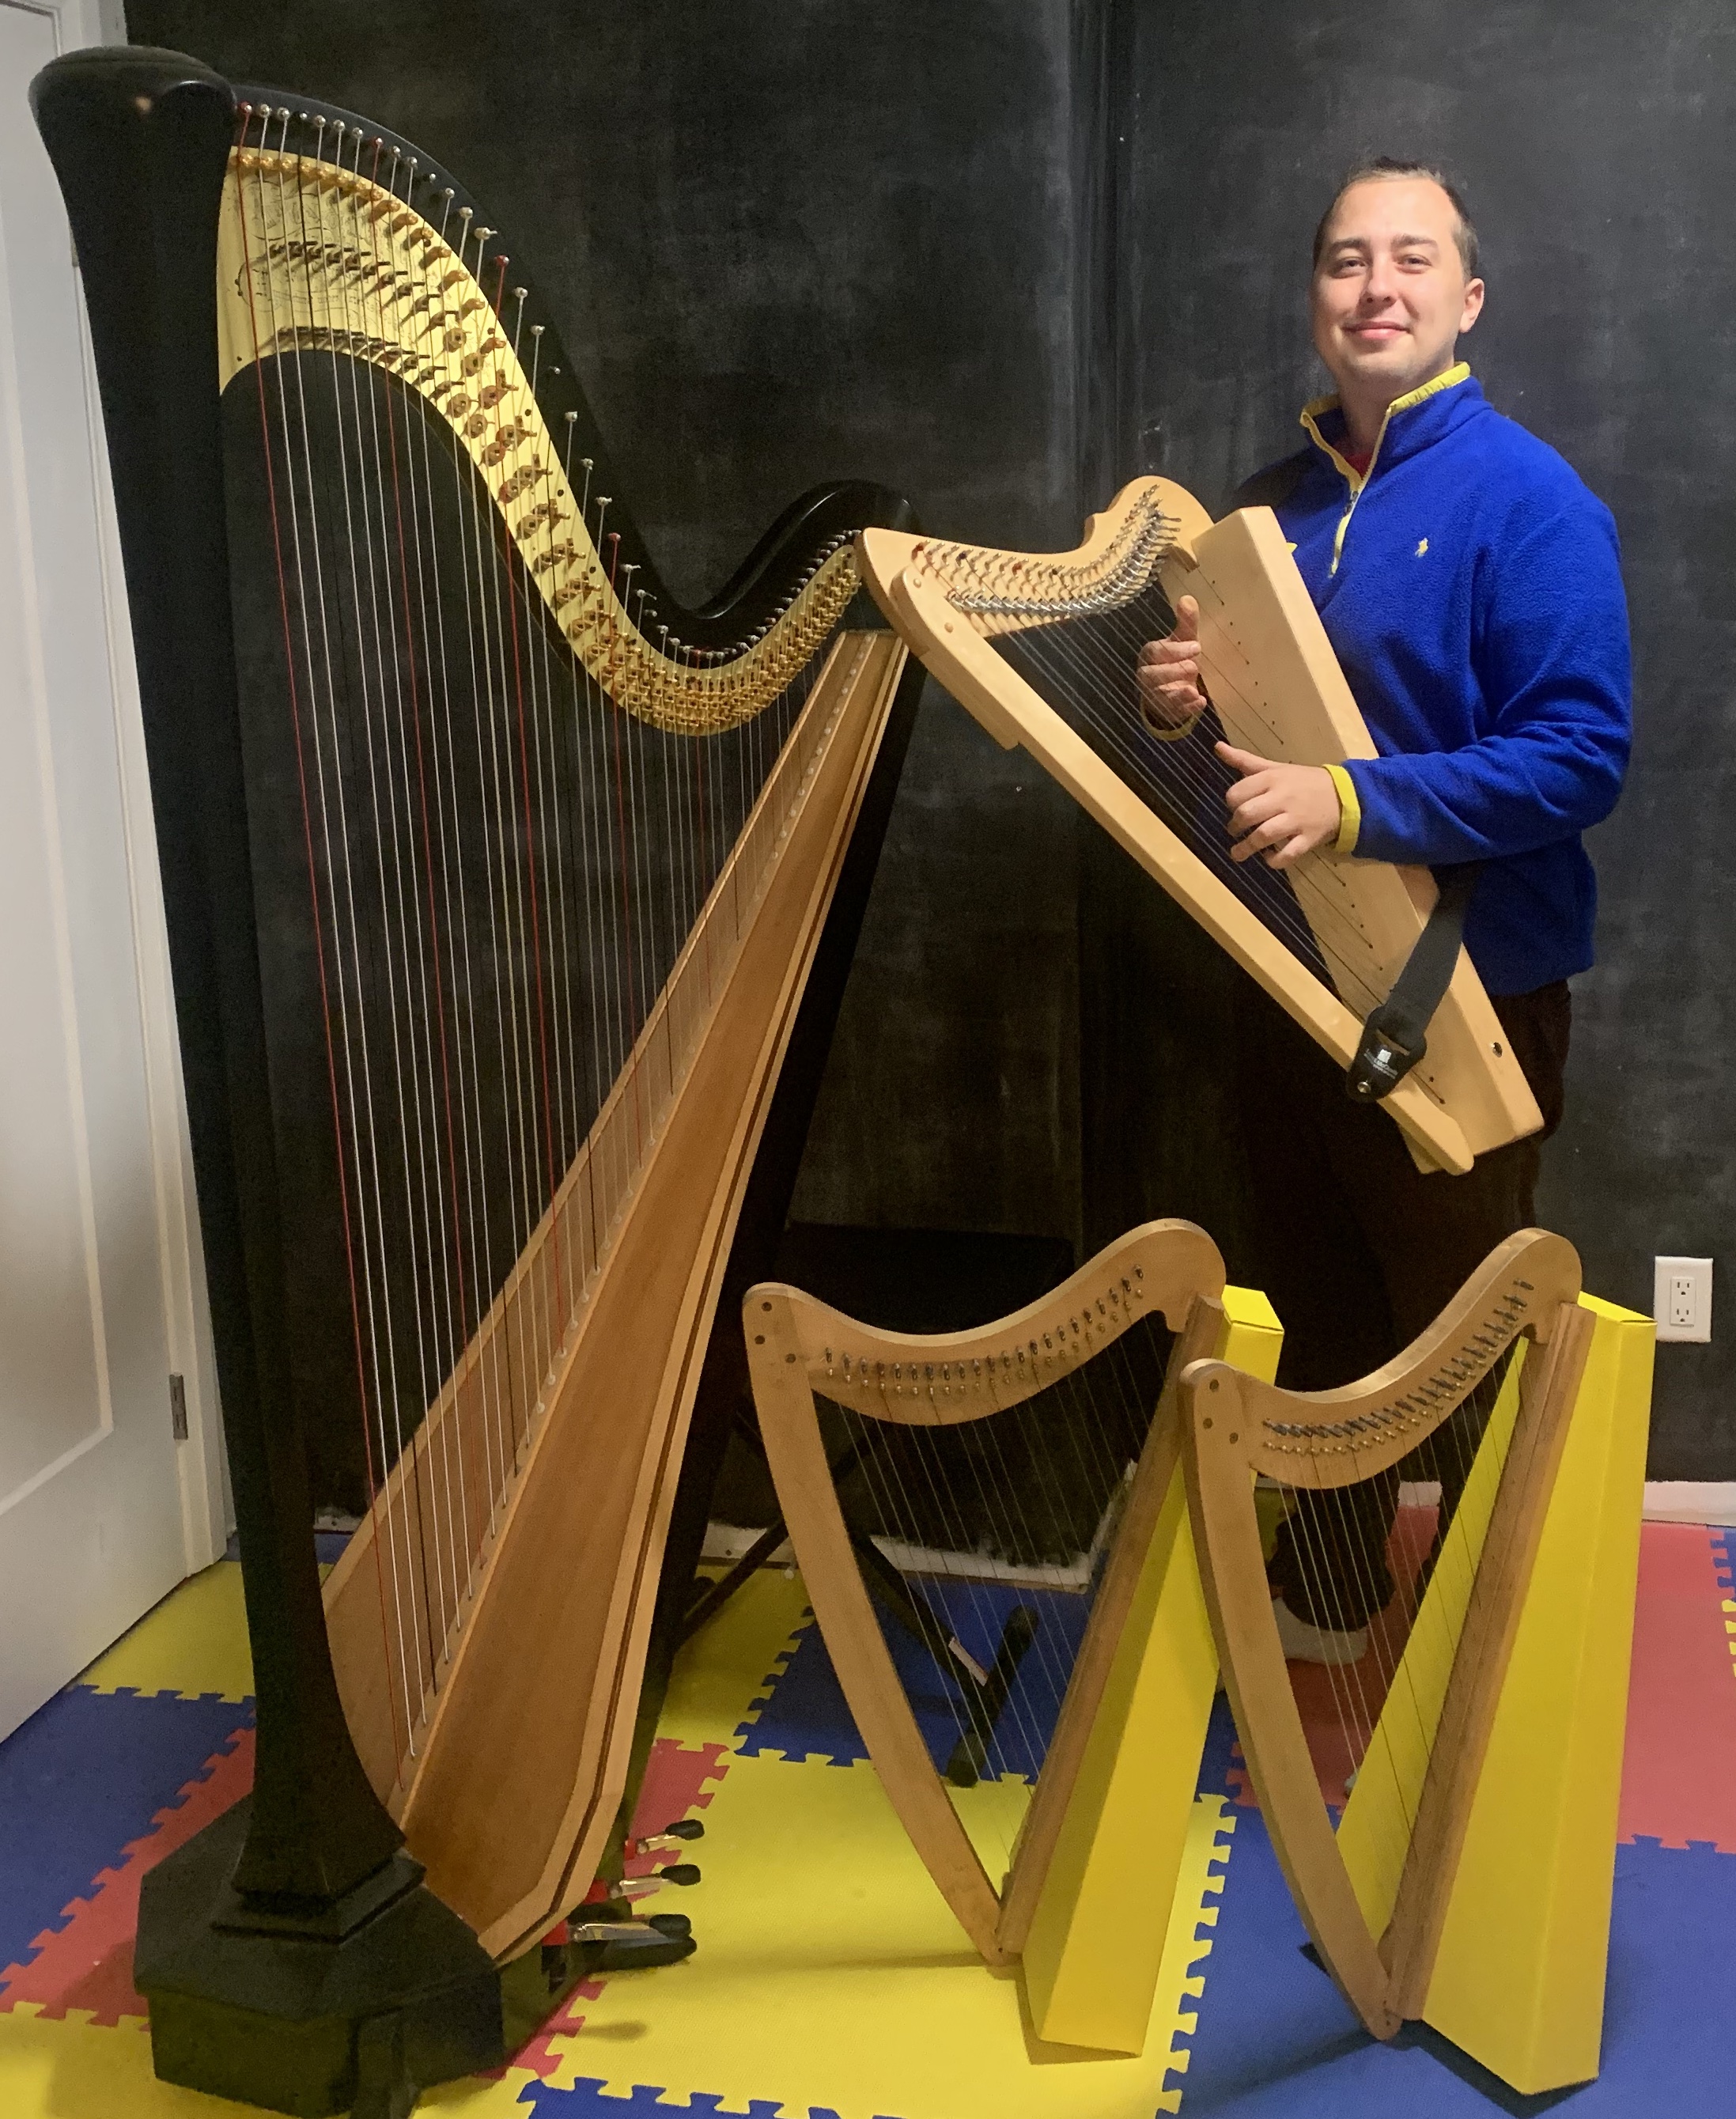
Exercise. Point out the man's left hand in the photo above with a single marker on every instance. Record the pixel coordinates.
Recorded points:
(1280, 812)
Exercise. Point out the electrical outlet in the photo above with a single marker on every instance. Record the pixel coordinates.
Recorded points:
(1682, 1297)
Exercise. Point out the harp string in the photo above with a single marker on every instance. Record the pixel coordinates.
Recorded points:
(1379, 1700)
(362, 1298)
(1087, 665)
(1107, 650)
(503, 867)
(976, 1515)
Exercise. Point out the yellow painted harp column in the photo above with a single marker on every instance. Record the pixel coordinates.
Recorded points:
(1090, 1962)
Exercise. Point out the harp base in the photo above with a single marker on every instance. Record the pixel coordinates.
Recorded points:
(373, 2000)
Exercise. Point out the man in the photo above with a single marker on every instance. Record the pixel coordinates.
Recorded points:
(1470, 586)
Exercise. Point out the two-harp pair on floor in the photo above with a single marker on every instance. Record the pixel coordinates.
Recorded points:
(1472, 1755)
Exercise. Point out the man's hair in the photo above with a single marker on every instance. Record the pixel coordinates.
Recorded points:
(1390, 165)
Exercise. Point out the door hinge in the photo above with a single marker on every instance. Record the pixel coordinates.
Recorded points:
(178, 1406)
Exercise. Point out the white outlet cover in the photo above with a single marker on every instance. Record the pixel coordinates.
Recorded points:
(1681, 1298)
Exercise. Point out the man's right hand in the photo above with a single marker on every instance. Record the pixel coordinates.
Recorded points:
(1169, 693)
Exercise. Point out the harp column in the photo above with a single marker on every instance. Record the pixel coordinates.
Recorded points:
(1099, 1930)
(291, 1954)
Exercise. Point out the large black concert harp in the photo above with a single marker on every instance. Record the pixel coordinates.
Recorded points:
(293, 1954)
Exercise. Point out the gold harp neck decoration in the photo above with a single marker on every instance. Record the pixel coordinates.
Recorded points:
(317, 257)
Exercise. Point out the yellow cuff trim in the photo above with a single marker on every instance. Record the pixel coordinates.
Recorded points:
(1349, 810)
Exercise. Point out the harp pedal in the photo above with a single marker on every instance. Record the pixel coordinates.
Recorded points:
(671, 1837)
(631, 1889)
(628, 1946)
(678, 1872)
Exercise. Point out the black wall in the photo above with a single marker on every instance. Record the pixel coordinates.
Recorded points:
(1006, 255)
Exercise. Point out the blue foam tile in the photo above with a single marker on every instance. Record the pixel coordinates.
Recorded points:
(84, 1776)
(588, 2099)
(806, 1713)
(1275, 2037)
(1724, 1555)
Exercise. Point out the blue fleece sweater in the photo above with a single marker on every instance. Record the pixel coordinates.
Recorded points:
(1471, 587)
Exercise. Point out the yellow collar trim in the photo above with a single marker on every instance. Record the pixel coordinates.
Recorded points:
(1460, 372)
(1312, 412)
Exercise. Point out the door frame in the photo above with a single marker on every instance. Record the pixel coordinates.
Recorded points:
(207, 1512)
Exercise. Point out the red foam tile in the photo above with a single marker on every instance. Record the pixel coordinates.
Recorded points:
(88, 1963)
(1679, 1782)
(674, 1784)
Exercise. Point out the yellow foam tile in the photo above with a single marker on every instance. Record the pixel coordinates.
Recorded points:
(478, 2098)
(73, 2069)
(70, 2068)
(830, 1972)
(194, 1641)
(719, 1680)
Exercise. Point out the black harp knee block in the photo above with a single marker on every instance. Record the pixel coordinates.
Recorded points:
(359, 2008)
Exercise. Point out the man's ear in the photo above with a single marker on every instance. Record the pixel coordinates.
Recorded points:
(1472, 305)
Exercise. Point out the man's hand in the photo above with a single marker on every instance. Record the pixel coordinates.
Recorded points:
(1169, 694)
(1281, 811)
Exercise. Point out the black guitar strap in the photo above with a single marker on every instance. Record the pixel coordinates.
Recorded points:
(1395, 1036)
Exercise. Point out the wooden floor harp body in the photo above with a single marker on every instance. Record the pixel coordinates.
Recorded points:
(496, 883)
(1042, 650)
(1472, 1754)
(991, 1529)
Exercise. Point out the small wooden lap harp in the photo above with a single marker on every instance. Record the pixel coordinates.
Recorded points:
(990, 1527)
(498, 884)
(1471, 1754)
(1041, 648)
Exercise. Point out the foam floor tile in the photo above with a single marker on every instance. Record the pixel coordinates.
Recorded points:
(74, 2071)
(591, 2100)
(1678, 1781)
(721, 1673)
(195, 1642)
(86, 1965)
(82, 1779)
(831, 1977)
(806, 1715)
(1275, 2040)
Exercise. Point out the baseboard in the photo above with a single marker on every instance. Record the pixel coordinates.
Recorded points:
(1691, 1501)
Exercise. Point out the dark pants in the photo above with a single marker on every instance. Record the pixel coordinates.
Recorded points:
(1360, 1253)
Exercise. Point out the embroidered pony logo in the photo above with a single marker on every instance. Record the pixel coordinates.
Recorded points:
(1422, 547)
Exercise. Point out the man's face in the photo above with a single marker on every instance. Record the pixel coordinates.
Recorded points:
(1390, 293)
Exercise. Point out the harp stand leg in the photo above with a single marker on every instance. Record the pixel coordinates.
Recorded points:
(360, 2005)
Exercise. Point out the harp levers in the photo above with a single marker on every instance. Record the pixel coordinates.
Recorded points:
(996, 1516)
(1041, 648)
(1467, 1882)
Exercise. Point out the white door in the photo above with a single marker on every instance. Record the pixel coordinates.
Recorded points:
(102, 1510)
